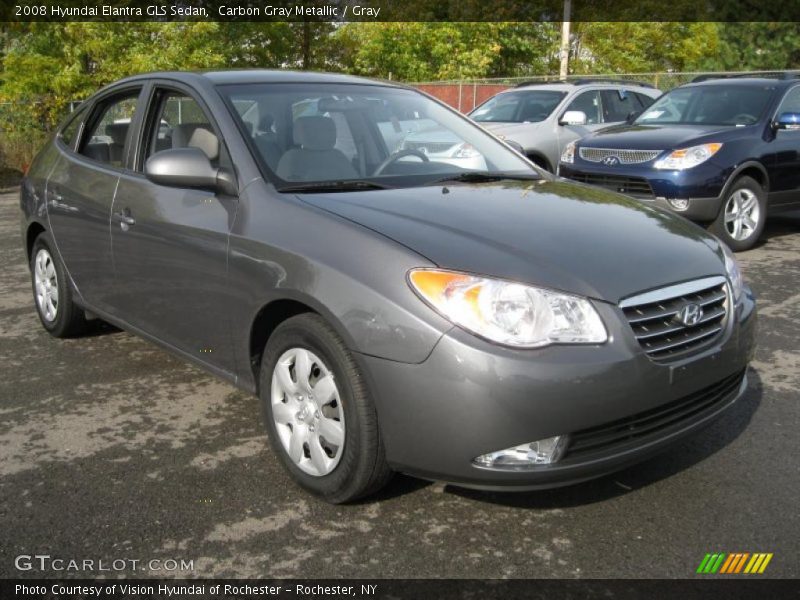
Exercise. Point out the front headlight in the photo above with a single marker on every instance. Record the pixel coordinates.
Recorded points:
(509, 313)
(568, 156)
(734, 272)
(465, 150)
(686, 158)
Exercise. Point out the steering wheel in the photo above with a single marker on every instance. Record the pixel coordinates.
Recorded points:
(393, 158)
(745, 119)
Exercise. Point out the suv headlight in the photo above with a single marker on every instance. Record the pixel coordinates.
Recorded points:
(568, 156)
(465, 150)
(509, 313)
(686, 158)
(734, 273)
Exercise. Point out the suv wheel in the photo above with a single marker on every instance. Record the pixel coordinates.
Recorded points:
(320, 418)
(741, 218)
(57, 311)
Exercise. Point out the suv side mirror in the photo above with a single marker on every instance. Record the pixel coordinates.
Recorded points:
(190, 168)
(573, 117)
(787, 120)
(632, 116)
(516, 146)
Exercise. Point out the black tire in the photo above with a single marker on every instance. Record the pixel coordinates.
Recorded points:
(722, 230)
(69, 320)
(362, 468)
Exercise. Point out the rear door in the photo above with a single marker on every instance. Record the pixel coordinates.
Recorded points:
(81, 189)
(170, 244)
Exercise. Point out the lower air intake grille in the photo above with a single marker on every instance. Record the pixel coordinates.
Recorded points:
(632, 186)
(608, 437)
(677, 321)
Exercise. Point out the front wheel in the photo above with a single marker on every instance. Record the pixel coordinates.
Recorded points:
(321, 421)
(741, 219)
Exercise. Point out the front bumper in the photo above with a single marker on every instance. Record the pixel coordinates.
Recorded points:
(471, 397)
(703, 186)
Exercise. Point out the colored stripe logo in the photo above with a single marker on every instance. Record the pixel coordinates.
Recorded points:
(734, 563)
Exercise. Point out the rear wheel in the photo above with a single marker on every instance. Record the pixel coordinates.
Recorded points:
(741, 218)
(57, 311)
(320, 418)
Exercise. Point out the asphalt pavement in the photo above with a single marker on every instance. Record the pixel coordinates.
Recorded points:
(113, 449)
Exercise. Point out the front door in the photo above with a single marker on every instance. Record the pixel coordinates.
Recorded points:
(784, 156)
(170, 244)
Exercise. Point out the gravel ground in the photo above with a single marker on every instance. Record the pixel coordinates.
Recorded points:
(111, 448)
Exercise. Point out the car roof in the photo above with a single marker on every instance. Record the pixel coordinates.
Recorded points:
(243, 76)
(567, 87)
(742, 82)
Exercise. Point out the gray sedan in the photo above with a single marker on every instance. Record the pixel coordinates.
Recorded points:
(488, 325)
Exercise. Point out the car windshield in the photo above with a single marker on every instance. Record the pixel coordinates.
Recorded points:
(524, 106)
(337, 137)
(734, 105)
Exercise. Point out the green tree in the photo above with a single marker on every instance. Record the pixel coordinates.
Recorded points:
(626, 47)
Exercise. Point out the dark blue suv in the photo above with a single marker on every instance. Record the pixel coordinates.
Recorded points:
(720, 152)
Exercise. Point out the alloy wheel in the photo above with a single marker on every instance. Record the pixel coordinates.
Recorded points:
(742, 213)
(307, 411)
(46, 282)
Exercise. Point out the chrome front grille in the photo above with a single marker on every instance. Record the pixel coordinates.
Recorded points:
(429, 147)
(655, 317)
(626, 157)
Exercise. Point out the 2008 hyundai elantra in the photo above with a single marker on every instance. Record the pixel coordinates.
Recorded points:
(489, 325)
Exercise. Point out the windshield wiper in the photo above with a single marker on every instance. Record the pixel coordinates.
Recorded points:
(357, 185)
(479, 177)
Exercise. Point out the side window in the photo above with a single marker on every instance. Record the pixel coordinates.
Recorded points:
(617, 105)
(69, 133)
(588, 103)
(790, 102)
(180, 122)
(108, 130)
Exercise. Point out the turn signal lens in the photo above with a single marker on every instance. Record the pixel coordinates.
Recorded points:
(509, 313)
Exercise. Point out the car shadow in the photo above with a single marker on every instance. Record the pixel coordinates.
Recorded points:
(778, 226)
(98, 327)
(678, 458)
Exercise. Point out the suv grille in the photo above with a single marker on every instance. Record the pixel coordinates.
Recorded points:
(626, 157)
(429, 147)
(695, 406)
(633, 186)
(655, 320)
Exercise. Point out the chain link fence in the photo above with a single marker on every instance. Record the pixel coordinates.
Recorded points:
(466, 94)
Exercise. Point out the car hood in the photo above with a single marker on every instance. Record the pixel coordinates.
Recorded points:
(653, 137)
(552, 233)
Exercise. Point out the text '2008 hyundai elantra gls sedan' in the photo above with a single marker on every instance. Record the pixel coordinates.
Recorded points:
(491, 326)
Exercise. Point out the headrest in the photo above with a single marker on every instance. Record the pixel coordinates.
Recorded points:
(117, 132)
(266, 122)
(315, 133)
(195, 135)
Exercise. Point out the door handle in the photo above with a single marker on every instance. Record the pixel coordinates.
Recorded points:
(125, 219)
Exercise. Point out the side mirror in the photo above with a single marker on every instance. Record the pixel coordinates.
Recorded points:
(188, 168)
(516, 146)
(787, 120)
(632, 116)
(573, 117)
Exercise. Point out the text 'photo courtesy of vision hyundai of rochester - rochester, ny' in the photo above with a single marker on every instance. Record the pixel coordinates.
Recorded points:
(492, 326)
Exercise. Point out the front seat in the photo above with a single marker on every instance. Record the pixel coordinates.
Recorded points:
(117, 132)
(196, 135)
(316, 159)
